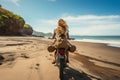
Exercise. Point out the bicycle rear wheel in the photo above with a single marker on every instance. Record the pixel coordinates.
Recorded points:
(61, 69)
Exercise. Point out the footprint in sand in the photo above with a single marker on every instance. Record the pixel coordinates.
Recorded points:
(37, 66)
(1, 59)
(51, 54)
(32, 46)
(24, 55)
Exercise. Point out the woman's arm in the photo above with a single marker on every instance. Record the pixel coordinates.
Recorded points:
(53, 35)
(67, 35)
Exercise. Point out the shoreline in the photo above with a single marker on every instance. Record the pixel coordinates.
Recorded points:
(112, 43)
(96, 60)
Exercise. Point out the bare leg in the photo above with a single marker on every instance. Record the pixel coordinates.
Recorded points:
(54, 58)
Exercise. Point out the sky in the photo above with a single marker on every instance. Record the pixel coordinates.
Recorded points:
(84, 17)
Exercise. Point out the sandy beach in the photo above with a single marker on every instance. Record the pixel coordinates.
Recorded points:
(27, 58)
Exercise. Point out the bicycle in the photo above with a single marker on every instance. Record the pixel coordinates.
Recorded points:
(61, 57)
(61, 61)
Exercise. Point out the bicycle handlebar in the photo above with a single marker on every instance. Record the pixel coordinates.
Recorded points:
(67, 38)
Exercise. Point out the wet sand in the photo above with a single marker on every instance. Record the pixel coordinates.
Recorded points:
(27, 58)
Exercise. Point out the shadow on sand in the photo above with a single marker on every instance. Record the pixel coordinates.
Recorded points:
(72, 74)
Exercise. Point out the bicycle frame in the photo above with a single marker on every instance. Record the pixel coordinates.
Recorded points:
(61, 61)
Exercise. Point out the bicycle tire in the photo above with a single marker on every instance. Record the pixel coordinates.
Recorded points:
(61, 68)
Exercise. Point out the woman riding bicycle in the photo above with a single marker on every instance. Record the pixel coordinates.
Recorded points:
(61, 32)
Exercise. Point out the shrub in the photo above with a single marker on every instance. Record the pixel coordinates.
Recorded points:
(26, 26)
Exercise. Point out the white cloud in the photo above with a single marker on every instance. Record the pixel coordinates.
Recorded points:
(87, 19)
(91, 17)
(15, 2)
(89, 24)
(105, 29)
(94, 25)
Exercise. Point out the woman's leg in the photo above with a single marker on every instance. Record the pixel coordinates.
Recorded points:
(54, 57)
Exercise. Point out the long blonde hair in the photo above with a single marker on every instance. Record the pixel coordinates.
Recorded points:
(62, 26)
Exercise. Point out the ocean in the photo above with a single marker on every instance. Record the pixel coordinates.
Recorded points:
(113, 41)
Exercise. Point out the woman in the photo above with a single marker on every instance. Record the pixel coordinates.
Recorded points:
(61, 30)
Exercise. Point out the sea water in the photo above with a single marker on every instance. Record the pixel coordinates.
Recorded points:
(113, 41)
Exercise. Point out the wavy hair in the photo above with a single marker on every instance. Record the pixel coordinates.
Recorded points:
(62, 23)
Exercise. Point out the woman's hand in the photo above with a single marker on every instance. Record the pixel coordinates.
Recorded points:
(50, 38)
